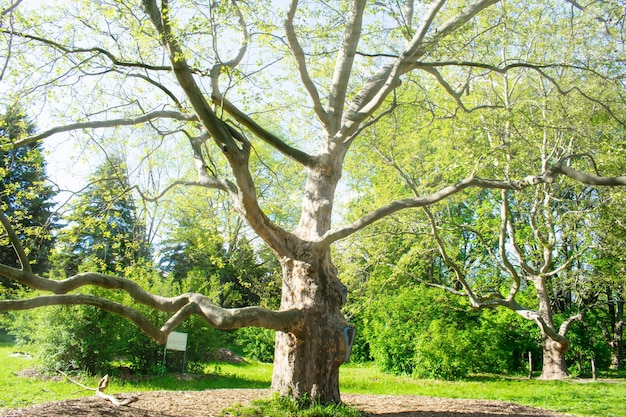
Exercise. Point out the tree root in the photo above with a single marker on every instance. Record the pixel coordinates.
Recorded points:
(99, 390)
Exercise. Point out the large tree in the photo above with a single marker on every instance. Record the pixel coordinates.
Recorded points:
(303, 80)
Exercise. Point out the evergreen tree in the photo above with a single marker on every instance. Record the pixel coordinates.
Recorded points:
(206, 251)
(26, 197)
(104, 227)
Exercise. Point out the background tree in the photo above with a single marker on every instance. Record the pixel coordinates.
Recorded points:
(609, 265)
(213, 67)
(209, 246)
(104, 226)
(27, 198)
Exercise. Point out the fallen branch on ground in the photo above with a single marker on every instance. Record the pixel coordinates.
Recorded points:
(102, 385)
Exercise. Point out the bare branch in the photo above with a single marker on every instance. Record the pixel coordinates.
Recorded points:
(99, 124)
(538, 68)
(99, 390)
(298, 54)
(341, 232)
(427, 22)
(244, 41)
(7, 58)
(114, 60)
(158, 85)
(343, 65)
(510, 228)
(380, 85)
(504, 223)
(547, 177)
(216, 70)
(460, 276)
(457, 95)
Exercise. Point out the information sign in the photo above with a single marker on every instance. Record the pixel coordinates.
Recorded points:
(177, 341)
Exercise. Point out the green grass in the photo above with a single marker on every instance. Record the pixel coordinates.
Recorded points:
(586, 398)
(280, 407)
(591, 398)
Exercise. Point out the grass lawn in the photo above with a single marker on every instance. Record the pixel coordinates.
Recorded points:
(592, 398)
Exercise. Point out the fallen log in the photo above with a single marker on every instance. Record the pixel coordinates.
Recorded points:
(99, 390)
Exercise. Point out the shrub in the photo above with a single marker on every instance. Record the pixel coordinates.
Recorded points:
(257, 343)
(429, 333)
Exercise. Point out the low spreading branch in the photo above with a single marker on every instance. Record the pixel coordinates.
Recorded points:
(181, 306)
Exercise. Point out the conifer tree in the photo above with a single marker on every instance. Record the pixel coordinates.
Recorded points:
(26, 196)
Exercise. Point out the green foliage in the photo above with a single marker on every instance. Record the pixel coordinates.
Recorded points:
(104, 230)
(209, 247)
(444, 351)
(427, 333)
(287, 407)
(587, 343)
(27, 200)
(257, 343)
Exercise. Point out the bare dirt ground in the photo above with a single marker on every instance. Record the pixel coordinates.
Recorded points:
(212, 402)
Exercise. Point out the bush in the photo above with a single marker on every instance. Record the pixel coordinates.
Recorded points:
(428, 333)
(257, 343)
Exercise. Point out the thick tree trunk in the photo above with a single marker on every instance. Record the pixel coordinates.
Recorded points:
(307, 360)
(554, 366)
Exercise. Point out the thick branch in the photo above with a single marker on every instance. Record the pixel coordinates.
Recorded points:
(504, 222)
(263, 134)
(510, 228)
(82, 299)
(17, 245)
(393, 207)
(546, 178)
(182, 306)
(378, 87)
(584, 178)
(235, 147)
(344, 63)
(567, 323)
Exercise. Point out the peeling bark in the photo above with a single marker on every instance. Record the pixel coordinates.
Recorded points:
(307, 360)
(554, 366)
